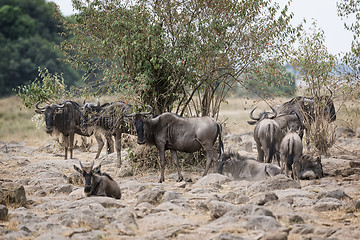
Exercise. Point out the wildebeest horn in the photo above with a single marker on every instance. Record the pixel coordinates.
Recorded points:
(251, 115)
(98, 102)
(40, 108)
(57, 105)
(331, 93)
(81, 165)
(146, 113)
(92, 165)
(126, 112)
(274, 112)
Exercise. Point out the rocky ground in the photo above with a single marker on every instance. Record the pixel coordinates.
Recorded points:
(46, 201)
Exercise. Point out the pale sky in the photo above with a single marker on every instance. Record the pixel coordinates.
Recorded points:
(324, 11)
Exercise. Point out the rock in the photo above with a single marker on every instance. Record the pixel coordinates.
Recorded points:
(261, 199)
(211, 179)
(3, 212)
(278, 182)
(278, 234)
(126, 170)
(218, 208)
(233, 137)
(247, 146)
(302, 229)
(296, 219)
(228, 236)
(327, 204)
(265, 223)
(76, 179)
(152, 196)
(181, 184)
(160, 221)
(63, 188)
(338, 194)
(12, 193)
(355, 164)
(168, 196)
(344, 132)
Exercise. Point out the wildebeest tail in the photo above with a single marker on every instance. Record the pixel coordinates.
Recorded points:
(221, 145)
(290, 155)
(270, 134)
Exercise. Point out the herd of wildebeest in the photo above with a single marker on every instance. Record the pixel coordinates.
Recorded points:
(278, 135)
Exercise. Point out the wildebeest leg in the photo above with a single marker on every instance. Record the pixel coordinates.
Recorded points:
(295, 171)
(100, 144)
(176, 161)
(283, 163)
(66, 144)
(118, 147)
(109, 140)
(162, 163)
(71, 144)
(260, 153)
(209, 156)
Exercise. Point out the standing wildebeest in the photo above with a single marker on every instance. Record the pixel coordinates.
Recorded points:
(242, 168)
(290, 152)
(267, 135)
(107, 118)
(97, 183)
(171, 132)
(305, 109)
(64, 118)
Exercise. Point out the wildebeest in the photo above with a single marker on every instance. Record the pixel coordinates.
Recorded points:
(242, 168)
(64, 118)
(98, 183)
(267, 135)
(291, 148)
(305, 108)
(171, 132)
(108, 119)
(308, 167)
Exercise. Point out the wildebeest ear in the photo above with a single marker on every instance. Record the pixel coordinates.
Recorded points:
(39, 111)
(97, 169)
(318, 159)
(78, 169)
(251, 122)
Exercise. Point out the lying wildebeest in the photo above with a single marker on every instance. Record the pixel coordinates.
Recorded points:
(108, 119)
(98, 183)
(308, 167)
(171, 132)
(267, 135)
(64, 118)
(304, 107)
(291, 148)
(242, 168)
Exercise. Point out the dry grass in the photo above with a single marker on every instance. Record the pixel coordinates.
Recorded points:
(16, 122)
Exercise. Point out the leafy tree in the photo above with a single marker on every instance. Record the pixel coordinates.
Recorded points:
(350, 10)
(316, 66)
(28, 35)
(175, 55)
(271, 81)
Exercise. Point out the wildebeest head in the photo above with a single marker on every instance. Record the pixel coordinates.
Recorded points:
(262, 115)
(310, 167)
(138, 121)
(88, 174)
(49, 111)
(327, 107)
(226, 161)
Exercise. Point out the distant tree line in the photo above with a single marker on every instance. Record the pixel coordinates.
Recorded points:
(29, 32)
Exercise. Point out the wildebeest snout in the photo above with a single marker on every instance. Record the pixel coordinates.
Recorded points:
(87, 188)
(141, 141)
(49, 129)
